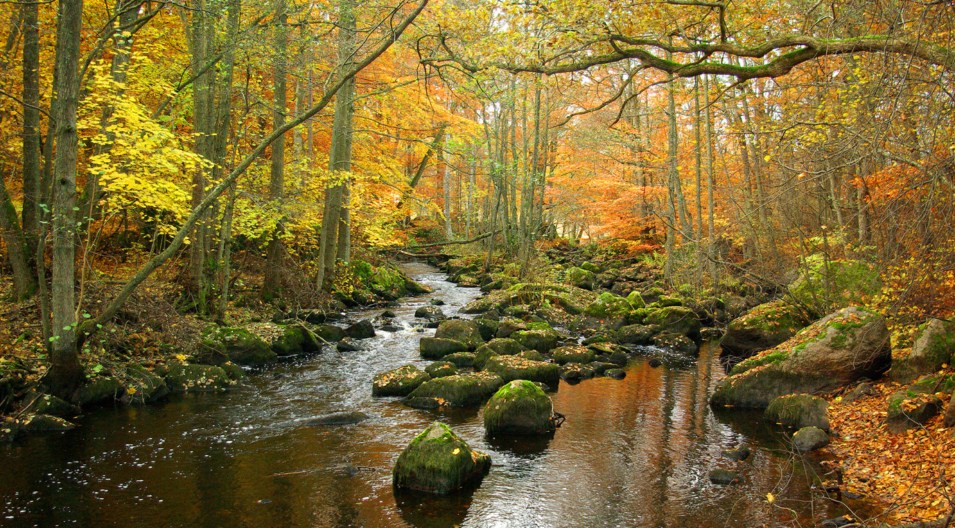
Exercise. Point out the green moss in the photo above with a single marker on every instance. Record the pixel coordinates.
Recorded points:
(460, 359)
(182, 377)
(767, 358)
(461, 390)
(573, 354)
(798, 411)
(636, 300)
(608, 305)
(511, 368)
(519, 408)
(439, 461)
(540, 340)
(441, 369)
(580, 278)
(398, 382)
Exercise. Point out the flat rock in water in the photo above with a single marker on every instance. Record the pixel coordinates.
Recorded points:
(809, 439)
(348, 345)
(738, 454)
(337, 418)
(724, 477)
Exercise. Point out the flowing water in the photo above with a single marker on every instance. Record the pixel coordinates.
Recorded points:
(632, 453)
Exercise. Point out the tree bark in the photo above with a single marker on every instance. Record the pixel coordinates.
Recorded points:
(275, 263)
(65, 373)
(31, 126)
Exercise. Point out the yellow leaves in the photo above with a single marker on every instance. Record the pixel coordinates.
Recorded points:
(457, 450)
(131, 390)
(770, 498)
(181, 357)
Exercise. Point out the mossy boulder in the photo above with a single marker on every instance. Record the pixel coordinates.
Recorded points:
(934, 346)
(184, 377)
(540, 340)
(398, 382)
(439, 461)
(810, 439)
(431, 313)
(487, 327)
(763, 327)
(636, 334)
(363, 329)
(798, 411)
(329, 333)
(829, 354)
(296, 339)
(48, 404)
(241, 346)
(440, 369)
(652, 294)
(533, 355)
(573, 354)
(461, 330)
(511, 368)
(437, 347)
(580, 278)
(520, 407)
(45, 423)
(99, 390)
(608, 305)
(143, 386)
(460, 359)
(508, 325)
(575, 372)
(460, 390)
(615, 373)
(636, 300)
(908, 410)
(675, 319)
(678, 343)
(590, 266)
(496, 347)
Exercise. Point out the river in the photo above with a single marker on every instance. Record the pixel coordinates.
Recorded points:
(633, 453)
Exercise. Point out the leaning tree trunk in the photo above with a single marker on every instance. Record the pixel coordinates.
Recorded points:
(65, 372)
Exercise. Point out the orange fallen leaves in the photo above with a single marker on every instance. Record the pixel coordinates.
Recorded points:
(907, 475)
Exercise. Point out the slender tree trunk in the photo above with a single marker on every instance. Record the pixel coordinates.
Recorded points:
(65, 372)
(275, 266)
(24, 281)
(673, 181)
(31, 126)
(334, 233)
(710, 202)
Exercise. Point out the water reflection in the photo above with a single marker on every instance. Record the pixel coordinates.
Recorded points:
(634, 453)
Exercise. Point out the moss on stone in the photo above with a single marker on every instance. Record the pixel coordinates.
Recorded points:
(608, 305)
(242, 346)
(461, 359)
(676, 319)
(461, 390)
(398, 382)
(798, 411)
(766, 358)
(439, 461)
(540, 340)
(461, 330)
(511, 368)
(636, 300)
(441, 369)
(437, 347)
(520, 407)
(580, 278)
(182, 377)
(572, 354)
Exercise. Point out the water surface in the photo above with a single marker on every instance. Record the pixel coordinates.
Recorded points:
(632, 453)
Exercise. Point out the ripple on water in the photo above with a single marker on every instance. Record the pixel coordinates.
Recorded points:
(634, 452)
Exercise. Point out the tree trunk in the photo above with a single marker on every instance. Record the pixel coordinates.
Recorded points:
(24, 281)
(31, 127)
(275, 265)
(65, 372)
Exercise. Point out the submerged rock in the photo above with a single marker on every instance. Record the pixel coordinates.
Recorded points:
(348, 345)
(831, 353)
(337, 418)
(398, 382)
(809, 439)
(615, 373)
(520, 407)
(724, 477)
(516, 368)
(738, 454)
(460, 390)
(439, 461)
(798, 411)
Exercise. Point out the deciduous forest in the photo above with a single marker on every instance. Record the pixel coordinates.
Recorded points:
(196, 195)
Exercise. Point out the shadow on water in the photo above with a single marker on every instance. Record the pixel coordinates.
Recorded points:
(635, 453)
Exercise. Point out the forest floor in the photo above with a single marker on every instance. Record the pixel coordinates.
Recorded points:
(908, 475)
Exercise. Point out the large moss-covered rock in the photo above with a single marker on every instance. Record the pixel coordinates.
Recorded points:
(514, 367)
(798, 411)
(441, 369)
(40, 403)
(573, 354)
(580, 278)
(675, 319)
(636, 334)
(45, 423)
(439, 461)
(831, 353)
(438, 347)
(520, 407)
(539, 340)
(296, 339)
(636, 300)
(398, 382)
(461, 390)
(934, 346)
(329, 333)
(533, 296)
(461, 330)
(182, 377)
(461, 359)
(763, 327)
(678, 343)
(241, 346)
(496, 347)
(608, 305)
(99, 390)
(143, 386)
(909, 408)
